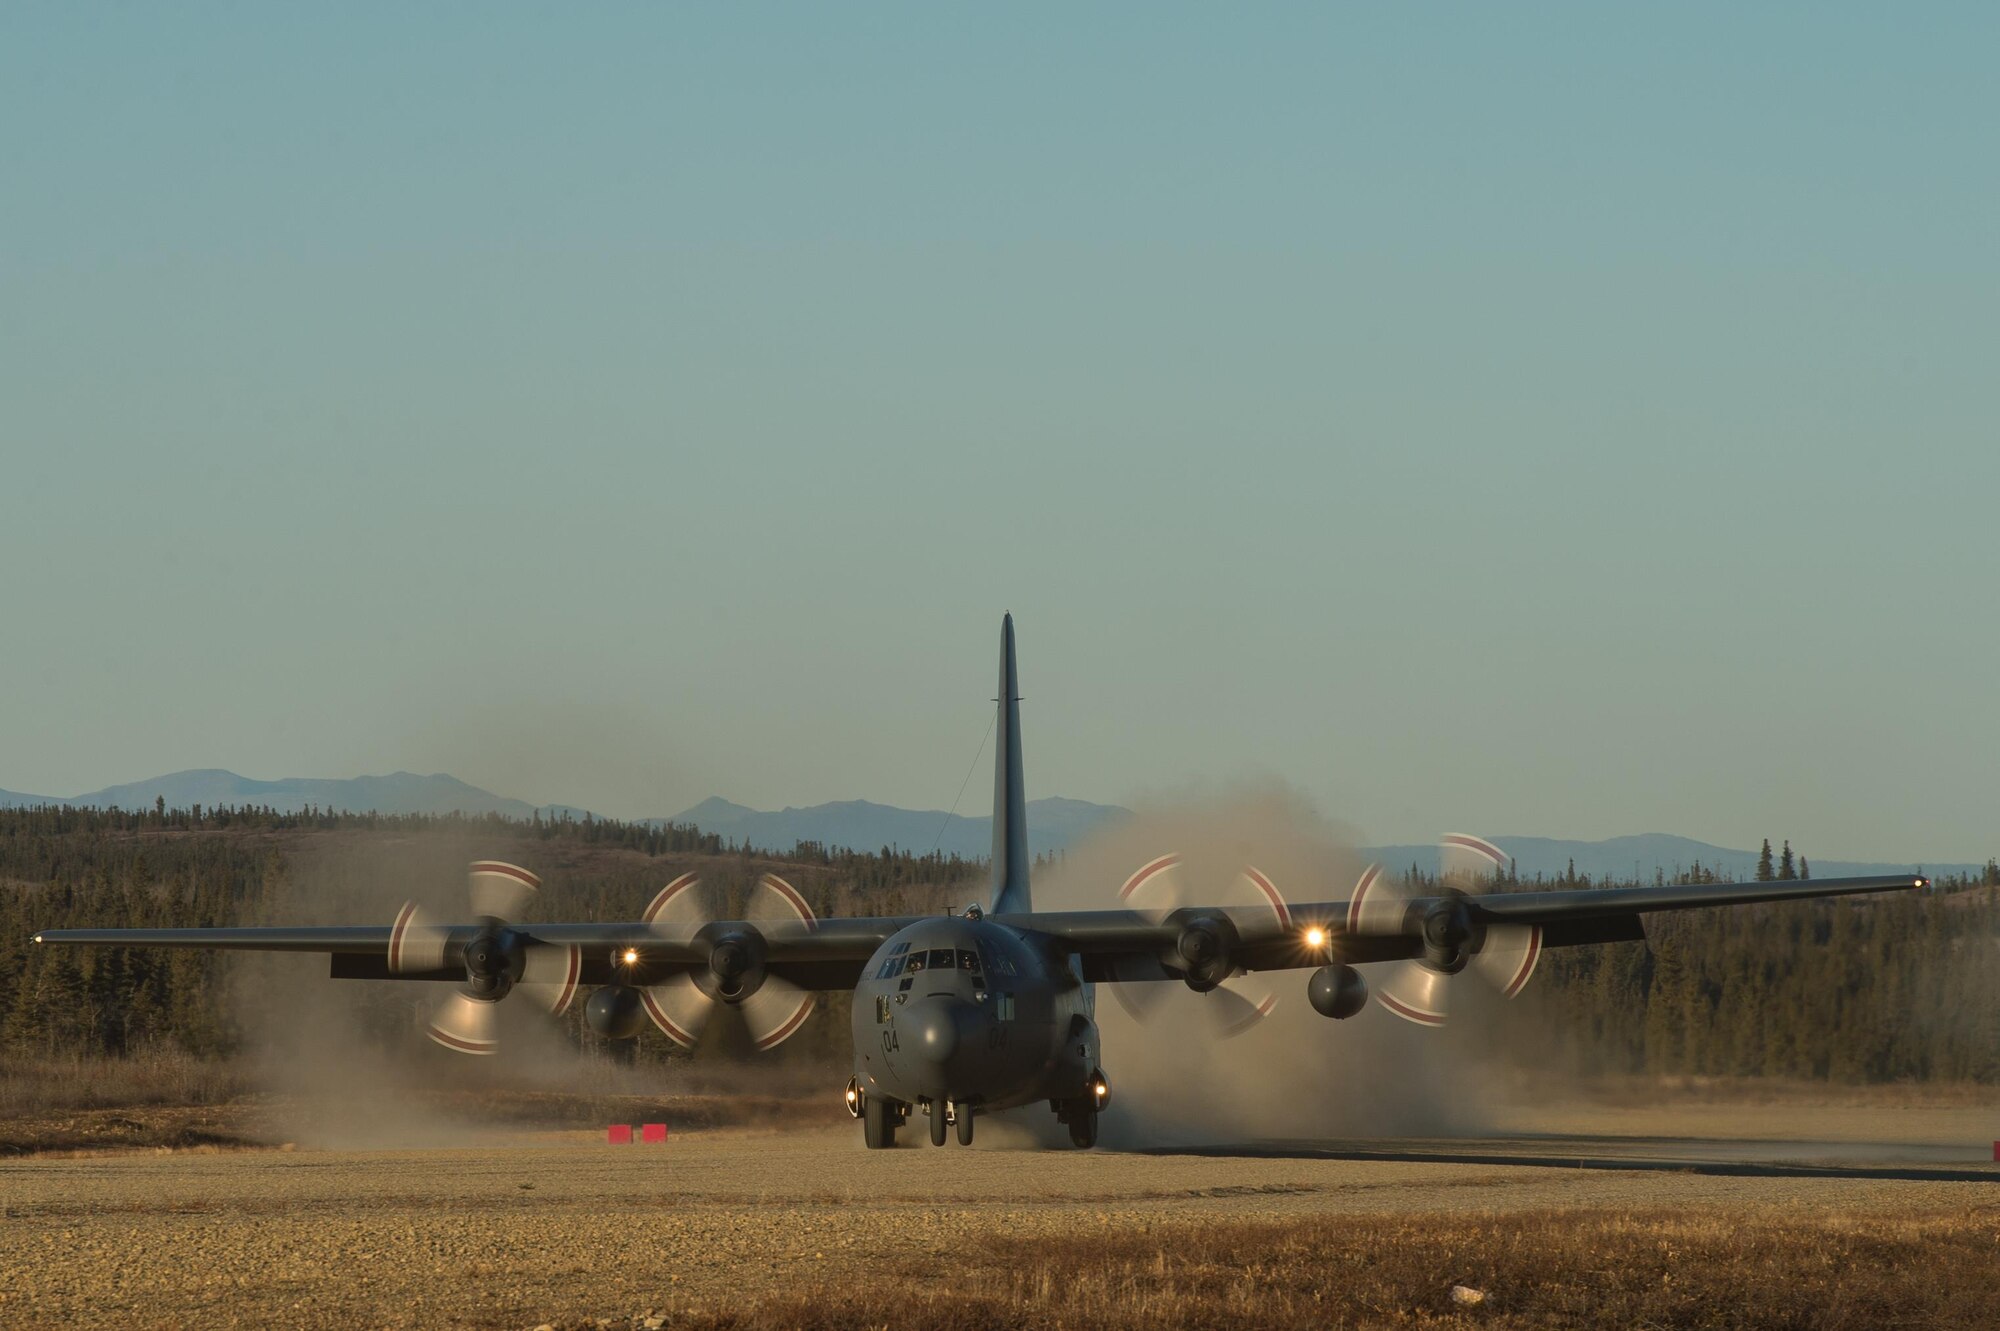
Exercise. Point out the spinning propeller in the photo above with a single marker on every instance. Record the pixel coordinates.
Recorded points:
(688, 912)
(1502, 954)
(1203, 956)
(499, 959)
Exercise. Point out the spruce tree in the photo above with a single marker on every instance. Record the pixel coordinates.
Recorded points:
(1786, 873)
(1764, 874)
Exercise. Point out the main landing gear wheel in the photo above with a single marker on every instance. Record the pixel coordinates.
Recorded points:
(937, 1122)
(878, 1123)
(1080, 1117)
(964, 1115)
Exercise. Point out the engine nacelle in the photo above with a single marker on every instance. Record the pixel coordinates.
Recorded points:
(615, 1012)
(1205, 952)
(1448, 935)
(493, 961)
(1337, 991)
(735, 964)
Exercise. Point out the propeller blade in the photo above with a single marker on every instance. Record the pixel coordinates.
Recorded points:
(679, 1008)
(416, 942)
(775, 1012)
(549, 975)
(1155, 890)
(501, 891)
(1507, 958)
(1140, 984)
(1235, 1005)
(1255, 885)
(1377, 905)
(682, 907)
(466, 1024)
(775, 901)
(1469, 863)
(1414, 992)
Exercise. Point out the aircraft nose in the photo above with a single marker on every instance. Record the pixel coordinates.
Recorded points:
(936, 1025)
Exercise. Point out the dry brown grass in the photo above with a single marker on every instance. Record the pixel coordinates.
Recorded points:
(1654, 1269)
(159, 1098)
(154, 1077)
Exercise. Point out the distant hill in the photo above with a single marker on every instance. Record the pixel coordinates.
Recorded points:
(1057, 824)
(398, 792)
(1053, 824)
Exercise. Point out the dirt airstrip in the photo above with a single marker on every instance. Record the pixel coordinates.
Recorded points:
(559, 1228)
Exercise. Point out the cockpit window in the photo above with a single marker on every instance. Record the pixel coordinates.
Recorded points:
(968, 960)
(916, 962)
(890, 969)
(942, 959)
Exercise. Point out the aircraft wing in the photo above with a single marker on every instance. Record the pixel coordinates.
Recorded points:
(829, 955)
(1268, 940)
(832, 952)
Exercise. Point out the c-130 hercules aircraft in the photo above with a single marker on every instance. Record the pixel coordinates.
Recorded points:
(957, 1016)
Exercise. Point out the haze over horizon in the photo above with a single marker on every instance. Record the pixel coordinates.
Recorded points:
(1569, 423)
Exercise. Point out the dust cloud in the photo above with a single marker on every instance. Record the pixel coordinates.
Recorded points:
(346, 1062)
(1295, 1075)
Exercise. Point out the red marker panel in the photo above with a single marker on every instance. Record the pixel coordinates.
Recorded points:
(652, 1132)
(619, 1134)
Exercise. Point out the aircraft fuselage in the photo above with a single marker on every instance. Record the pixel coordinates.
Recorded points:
(974, 1014)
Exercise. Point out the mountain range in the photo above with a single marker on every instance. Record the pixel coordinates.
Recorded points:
(211, 787)
(1053, 824)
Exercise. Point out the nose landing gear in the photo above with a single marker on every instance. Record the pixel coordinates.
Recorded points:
(944, 1114)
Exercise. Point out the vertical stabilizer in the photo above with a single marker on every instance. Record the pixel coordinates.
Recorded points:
(1010, 802)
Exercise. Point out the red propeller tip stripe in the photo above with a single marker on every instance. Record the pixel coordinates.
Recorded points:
(1139, 879)
(784, 1032)
(513, 871)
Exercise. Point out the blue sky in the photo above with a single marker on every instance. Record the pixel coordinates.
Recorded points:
(1560, 421)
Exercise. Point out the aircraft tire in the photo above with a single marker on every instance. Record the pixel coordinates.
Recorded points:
(937, 1123)
(878, 1123)
(1083, 1128)
(964, 1125)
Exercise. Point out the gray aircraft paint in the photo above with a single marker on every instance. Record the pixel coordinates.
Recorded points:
(973, 1034)
(1012, 1028)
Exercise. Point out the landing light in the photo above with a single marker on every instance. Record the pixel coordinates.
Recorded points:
(630, 956)
(1315, 937)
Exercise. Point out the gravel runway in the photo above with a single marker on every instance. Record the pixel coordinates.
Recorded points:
(559, 1227)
